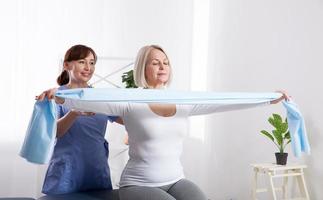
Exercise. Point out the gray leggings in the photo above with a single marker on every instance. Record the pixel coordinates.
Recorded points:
(181, 190)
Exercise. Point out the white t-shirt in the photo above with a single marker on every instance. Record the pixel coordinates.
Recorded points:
(155, 142)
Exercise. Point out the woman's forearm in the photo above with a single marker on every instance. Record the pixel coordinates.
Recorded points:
(64, 123)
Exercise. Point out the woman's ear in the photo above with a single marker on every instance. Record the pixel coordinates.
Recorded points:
(66, 65)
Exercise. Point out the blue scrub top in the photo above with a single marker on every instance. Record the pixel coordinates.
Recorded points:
(79, 161)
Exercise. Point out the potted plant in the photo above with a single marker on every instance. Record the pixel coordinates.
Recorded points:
(127, 79)
(280, 136)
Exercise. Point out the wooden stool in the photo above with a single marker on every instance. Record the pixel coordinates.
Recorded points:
(277, 171)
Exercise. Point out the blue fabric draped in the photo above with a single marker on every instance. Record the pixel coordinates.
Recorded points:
(297, 129)
(41, 132)
(40, 136)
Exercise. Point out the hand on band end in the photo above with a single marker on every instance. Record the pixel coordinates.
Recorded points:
(284, 96)
(50, 94)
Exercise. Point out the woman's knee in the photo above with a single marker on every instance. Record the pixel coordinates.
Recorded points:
(186, 190)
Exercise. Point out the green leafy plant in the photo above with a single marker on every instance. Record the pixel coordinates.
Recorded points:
(280, 134)
(128, 80)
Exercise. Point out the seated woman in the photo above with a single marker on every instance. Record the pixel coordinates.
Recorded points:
(156, 132)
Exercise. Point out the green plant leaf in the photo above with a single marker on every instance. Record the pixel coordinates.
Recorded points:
(277, 117)
(272, 121)
(287, 136)
(279, 124)
(128, 80)
(268, 135)
(278, 136)
(284, 127)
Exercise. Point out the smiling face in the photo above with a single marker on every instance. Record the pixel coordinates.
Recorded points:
(81, 70)
(157, 69)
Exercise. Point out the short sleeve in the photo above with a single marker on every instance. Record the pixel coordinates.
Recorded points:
(112, 118)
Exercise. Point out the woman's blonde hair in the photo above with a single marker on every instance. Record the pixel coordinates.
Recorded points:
(141, 62)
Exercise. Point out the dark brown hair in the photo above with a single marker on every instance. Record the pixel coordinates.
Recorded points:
(74, 53)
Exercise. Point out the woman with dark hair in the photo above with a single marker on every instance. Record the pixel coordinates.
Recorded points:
(79, 161)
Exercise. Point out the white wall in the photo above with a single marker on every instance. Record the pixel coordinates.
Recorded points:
(260, 45)
(254, 45)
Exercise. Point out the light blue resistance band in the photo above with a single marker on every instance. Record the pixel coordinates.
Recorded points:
(41, 132)
(40, 136)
